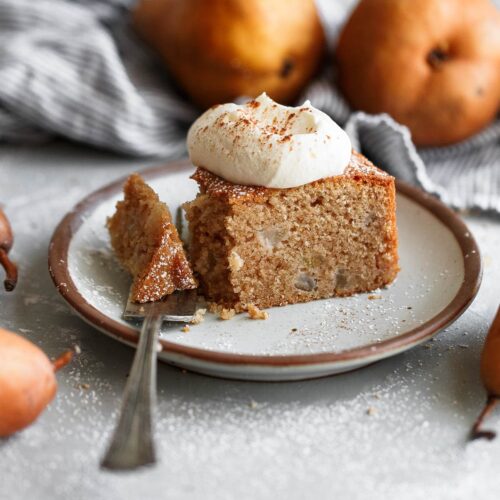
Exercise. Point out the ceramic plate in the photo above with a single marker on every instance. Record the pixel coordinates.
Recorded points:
(439, 277)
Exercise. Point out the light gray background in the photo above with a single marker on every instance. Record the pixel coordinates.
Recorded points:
(221, 439)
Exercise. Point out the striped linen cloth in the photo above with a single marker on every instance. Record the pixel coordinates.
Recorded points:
(76, 69)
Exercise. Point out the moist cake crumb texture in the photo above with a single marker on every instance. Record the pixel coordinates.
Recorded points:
(147, 244)
(271, 247)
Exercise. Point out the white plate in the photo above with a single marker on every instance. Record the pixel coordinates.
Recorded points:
(440, 275)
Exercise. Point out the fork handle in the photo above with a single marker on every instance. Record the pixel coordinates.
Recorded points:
(132, 442)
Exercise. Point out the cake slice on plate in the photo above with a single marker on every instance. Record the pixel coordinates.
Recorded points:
(147, 244)
(286, 213)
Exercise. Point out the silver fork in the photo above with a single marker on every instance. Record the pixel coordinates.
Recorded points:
(132, 444)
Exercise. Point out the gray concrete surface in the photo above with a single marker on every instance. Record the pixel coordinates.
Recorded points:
(394, 430)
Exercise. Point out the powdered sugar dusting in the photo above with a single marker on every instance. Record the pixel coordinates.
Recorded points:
(379, 435)
(220, 439)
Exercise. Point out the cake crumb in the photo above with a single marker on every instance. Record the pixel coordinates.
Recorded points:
(226, 314)
(198, 316)
(185, 328)
(371, 411)
(223, 312)
(255, 313)
(84, 386)
(374, 297)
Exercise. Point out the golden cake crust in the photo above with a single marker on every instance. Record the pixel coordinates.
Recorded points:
(359, 168)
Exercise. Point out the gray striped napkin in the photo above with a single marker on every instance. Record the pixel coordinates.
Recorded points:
(75, 69)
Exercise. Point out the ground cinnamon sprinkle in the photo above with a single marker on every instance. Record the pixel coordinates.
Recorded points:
(253, 104)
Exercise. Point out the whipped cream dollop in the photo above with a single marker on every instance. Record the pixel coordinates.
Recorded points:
(263, 143)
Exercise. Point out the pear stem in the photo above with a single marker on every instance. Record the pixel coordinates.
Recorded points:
(476, 432)
(10, 271)
(62, 360)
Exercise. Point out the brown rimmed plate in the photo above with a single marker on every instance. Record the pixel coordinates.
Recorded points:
(440, 275)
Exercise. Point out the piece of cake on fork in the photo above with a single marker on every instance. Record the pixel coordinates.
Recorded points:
(147, 244)
(286, 212)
